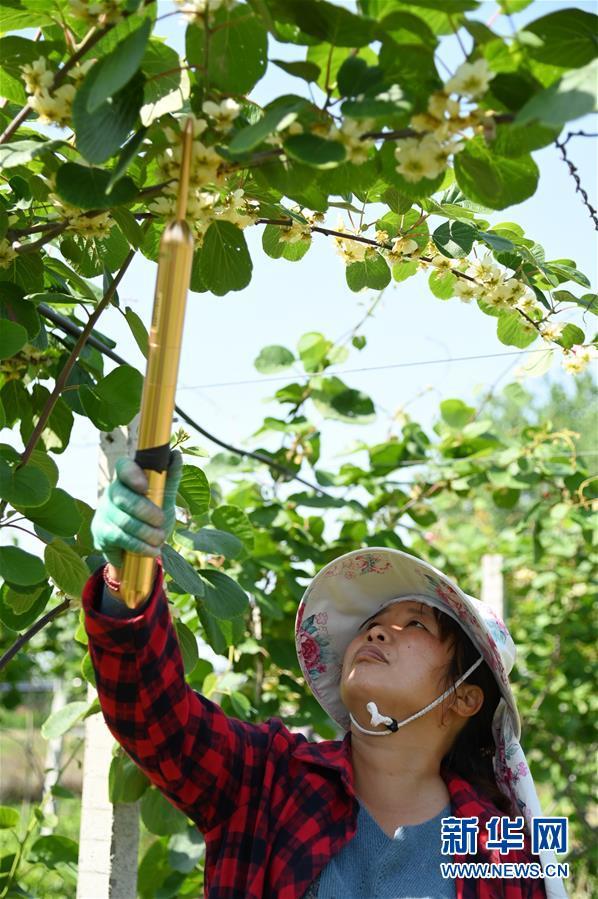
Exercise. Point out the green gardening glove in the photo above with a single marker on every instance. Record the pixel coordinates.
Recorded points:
(126, 520)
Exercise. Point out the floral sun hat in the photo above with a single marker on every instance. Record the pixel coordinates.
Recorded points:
(351, 589)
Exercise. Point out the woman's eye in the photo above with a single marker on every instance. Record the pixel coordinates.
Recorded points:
(413, 621)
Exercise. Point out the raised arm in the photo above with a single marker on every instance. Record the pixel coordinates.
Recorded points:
(205, 762)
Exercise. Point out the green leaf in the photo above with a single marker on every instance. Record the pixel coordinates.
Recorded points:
(515, 140)
(442, 284)
(373, 272)
(513, 330)
(455, 239)
(456, 413)
(21, 606)
(101, 133)
(273, 359)
(87, 670)
(573, 96)
(13, 338)
(185, 850)
(238, 50)
(567, 36)
(116, 69)
(115, 399)
(39, 459)
(506, 497)
(126, 156)
(59, 515)
(55, 850)
(167, 87)
(21, 601)
(188, 646)
(126, 782)
(334, 24)
(183, 574)
(234, 521)
(309, 71)
(224, 598)
(495, 181)
(59, 722)
(9, 817)
(337, 401)
(138, 330)
(160, 816)
(571, 335)
(314, 151)
(68, 570)
(313, 349)
(276, 247)
(87, 187)
(23, 151)
(24, 487)
(211, 541)
(276, 117)
(403, 270)
(20, 567)
(356, 77)
(225, 263)
(194, 489)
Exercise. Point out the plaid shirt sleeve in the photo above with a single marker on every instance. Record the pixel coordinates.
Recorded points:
(205, 762)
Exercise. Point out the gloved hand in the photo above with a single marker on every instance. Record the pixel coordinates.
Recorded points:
(127, 520)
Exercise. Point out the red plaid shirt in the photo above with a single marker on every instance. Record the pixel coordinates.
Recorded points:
(274, 808)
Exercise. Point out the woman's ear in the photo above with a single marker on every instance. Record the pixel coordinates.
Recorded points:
(469, 700)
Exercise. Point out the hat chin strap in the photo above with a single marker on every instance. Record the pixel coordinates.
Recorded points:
(393, 724)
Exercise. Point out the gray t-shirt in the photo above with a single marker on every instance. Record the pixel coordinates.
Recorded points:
(373, 865)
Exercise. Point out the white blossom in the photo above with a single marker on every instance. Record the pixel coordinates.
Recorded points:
(7, 253)
(470, 80)
(579, 357)
(195, 11)
(223, 113)
(36, 76)
(466, 290)
(111, 10)
(551, 330)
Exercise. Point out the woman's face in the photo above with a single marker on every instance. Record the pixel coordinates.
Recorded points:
(409, 670)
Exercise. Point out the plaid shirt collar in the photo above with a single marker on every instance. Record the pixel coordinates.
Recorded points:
(464, 798)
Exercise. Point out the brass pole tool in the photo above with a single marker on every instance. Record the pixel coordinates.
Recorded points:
(158, 399)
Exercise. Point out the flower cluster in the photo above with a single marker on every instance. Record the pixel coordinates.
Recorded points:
(52, 106)
(207, 206)
(7, 253)
(89, 226)
(223, 114)
(443, 126)
(297, 230)
(350, 249)
(108, 11)
(579, 357)
(196, 11)
(210, 197)
(349, 135)
(205, 161)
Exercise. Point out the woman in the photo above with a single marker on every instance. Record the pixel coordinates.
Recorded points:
(391, 649)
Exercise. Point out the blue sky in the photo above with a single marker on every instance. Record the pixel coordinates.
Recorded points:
(223, 335)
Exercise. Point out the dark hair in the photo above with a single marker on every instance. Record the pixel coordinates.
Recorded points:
(471, 754)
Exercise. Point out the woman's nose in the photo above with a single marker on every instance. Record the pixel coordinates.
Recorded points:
(378, 631)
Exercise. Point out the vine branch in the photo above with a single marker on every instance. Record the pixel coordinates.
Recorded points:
(33, 630)
(573, 171)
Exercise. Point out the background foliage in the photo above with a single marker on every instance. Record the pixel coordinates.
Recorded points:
(413, 161)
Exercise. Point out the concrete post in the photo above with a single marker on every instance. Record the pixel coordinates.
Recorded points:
(493, 584)
(109, 834)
